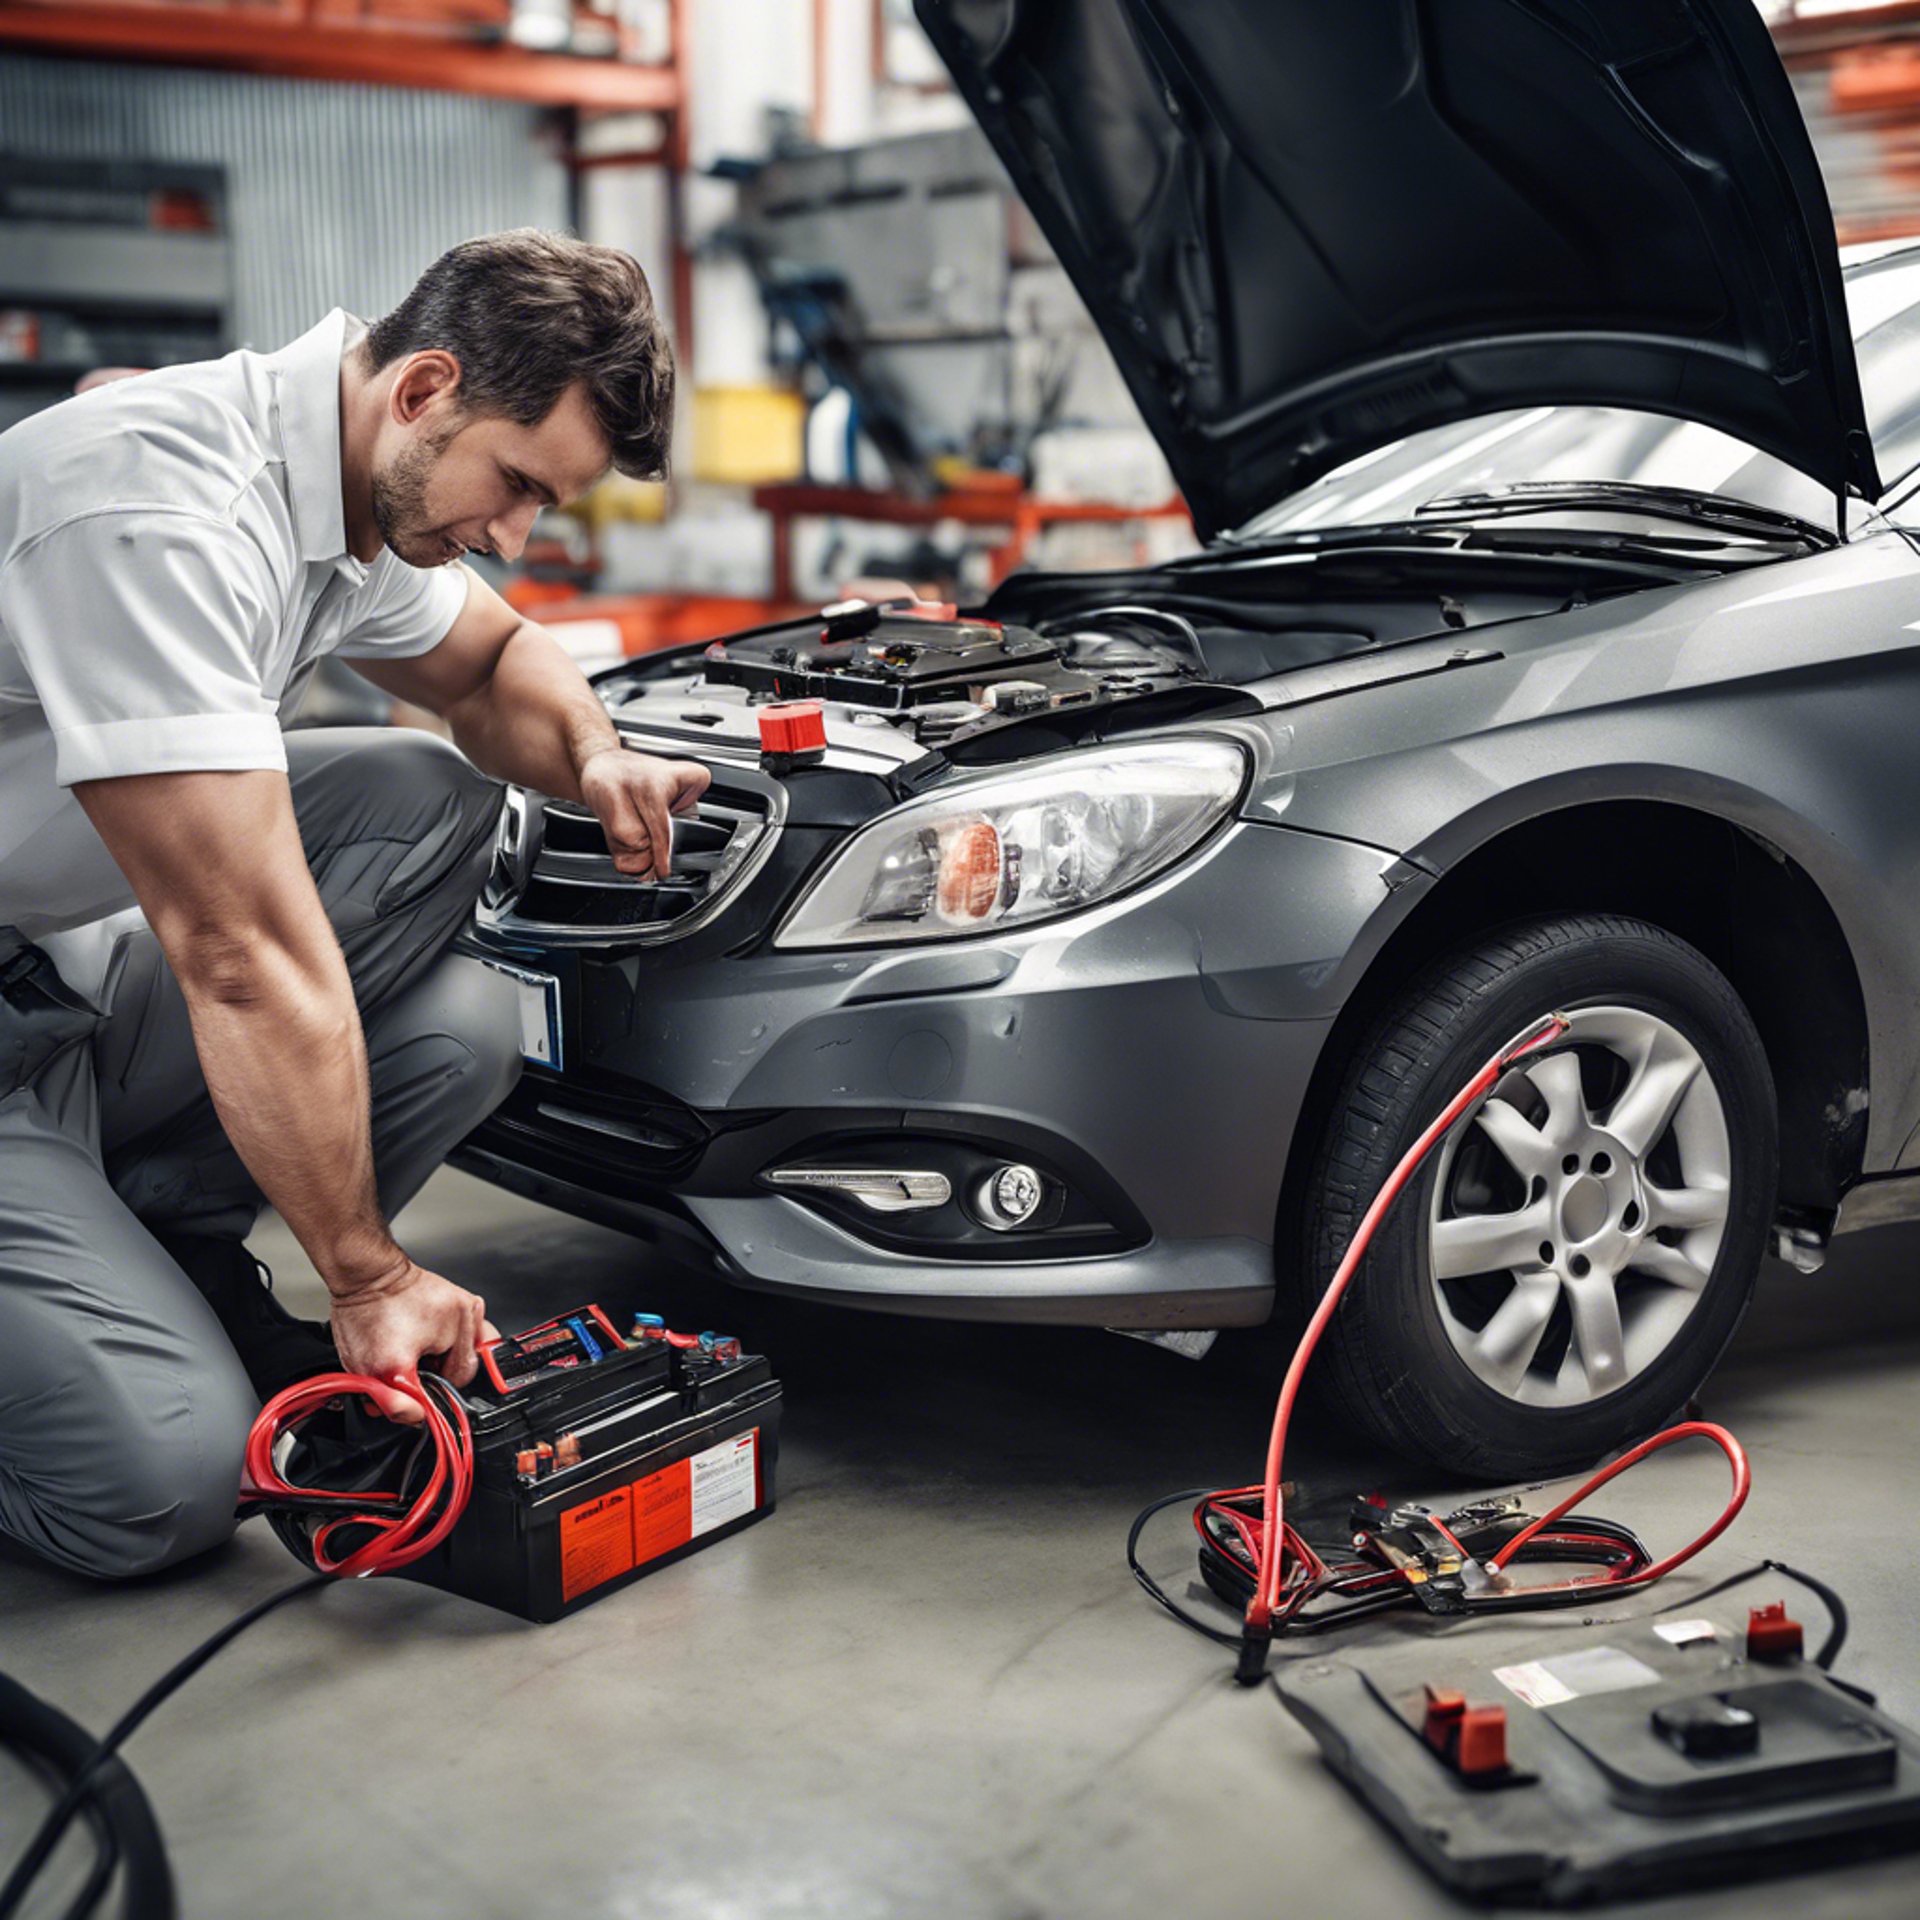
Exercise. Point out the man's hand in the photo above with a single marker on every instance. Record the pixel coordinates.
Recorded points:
(521, 710)
(392, 1324)
(634, 796)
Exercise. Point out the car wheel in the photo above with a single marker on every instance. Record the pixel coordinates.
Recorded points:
(1571, 1261)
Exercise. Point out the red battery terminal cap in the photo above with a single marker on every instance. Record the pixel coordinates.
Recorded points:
(1482, 1747)
(1444, 1710)
(683, 1340)
(1772, 1635)
(799, 727)
(1472, 1740)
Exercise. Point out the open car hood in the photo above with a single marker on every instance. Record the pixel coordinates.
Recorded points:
(1309, 227)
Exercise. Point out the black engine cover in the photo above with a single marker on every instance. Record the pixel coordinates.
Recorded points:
(891, 660)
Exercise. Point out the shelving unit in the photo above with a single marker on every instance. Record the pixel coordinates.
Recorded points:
(1857, 75)
(451, 46)
(109, 263)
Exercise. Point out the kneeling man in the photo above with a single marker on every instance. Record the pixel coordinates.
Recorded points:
(177, 552)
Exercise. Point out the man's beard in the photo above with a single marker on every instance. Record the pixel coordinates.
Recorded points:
(400, 503)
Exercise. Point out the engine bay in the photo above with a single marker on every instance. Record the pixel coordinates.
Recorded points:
(1055, 654)
(939, 676)
(921, 680)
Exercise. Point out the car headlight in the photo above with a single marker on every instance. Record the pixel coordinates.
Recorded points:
(1011, 849)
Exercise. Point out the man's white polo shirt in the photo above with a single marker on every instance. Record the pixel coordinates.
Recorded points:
(173, 563)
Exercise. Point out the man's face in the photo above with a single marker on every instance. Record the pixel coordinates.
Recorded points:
(459, 483)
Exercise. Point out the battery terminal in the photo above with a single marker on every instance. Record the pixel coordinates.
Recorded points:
(1773, 1635)
(1471, 1740)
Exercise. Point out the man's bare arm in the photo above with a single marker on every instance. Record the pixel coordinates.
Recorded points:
(215, 860)
(520, 709)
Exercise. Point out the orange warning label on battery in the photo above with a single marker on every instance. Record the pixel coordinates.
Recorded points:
(603, 1538)
(662, 1511)
(692, 1497)
(596, 1542)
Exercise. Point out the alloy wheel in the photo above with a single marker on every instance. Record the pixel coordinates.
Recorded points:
(1578, 1212)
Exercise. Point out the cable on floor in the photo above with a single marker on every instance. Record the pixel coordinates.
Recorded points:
(1252, 1557)
(343, 1534)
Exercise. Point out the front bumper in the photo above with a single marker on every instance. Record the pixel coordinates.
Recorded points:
(1153, 1054)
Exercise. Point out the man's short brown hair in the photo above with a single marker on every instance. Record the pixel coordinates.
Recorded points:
(527, 314)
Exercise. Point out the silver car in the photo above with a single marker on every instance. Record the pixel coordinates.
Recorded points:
(1555, 644)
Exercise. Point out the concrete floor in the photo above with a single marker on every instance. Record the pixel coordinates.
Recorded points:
(925, 1686)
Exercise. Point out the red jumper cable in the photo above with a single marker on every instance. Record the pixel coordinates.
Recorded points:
(405, 1526)
(1289, 1573)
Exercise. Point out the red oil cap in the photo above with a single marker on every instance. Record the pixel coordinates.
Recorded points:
(800, 727)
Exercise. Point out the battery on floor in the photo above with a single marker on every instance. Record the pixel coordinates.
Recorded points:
(654, 1447)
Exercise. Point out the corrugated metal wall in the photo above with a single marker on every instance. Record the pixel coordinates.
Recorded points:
(337, 195)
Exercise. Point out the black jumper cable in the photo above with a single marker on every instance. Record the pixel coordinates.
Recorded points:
(391, 1528)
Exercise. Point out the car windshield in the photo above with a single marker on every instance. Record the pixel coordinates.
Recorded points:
(1573, 445)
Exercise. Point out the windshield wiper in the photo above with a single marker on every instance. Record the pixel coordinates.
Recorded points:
(1459, 537)
(1716, 510)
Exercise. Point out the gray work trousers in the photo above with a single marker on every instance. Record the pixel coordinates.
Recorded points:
(123, 1409)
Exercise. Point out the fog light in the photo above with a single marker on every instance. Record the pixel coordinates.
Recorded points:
(880, 1188)
(1010, 1197)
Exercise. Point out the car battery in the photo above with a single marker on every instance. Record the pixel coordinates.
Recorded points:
(601, 1457)
(1644, 1756)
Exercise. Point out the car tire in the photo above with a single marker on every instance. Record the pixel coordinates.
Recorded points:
(1430, 1355)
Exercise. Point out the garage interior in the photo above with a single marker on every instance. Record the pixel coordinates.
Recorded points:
(927, 1685)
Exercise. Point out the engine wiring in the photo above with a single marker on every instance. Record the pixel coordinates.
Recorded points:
(346, 1534)
(1254, 1558)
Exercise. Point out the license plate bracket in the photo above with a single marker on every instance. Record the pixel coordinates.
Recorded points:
(541, 1037)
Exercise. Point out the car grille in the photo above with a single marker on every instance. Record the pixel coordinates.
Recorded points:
(554, 879)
